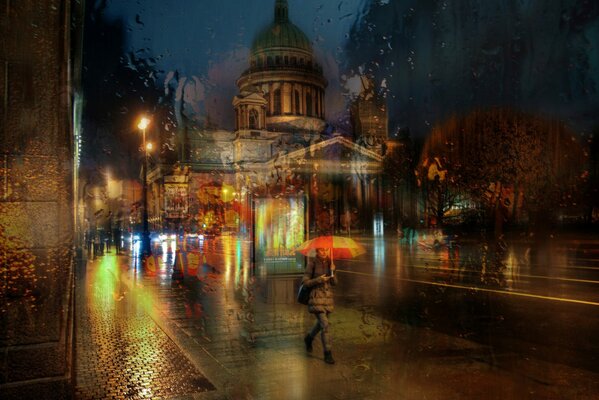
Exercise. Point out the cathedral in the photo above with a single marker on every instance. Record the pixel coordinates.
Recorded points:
(283, 161)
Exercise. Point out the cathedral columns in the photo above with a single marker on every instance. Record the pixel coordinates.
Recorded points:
(250, 111)
(293, 106)
(308, 102)
(303, 100)
(286, 98)
(271, 98)
(318, 105)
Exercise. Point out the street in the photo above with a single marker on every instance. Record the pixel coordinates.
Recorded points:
(538, 301)
(418, 319)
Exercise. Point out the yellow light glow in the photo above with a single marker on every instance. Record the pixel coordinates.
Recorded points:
(149, 146)
(143, 123)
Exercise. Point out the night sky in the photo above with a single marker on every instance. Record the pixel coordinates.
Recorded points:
(430, 58)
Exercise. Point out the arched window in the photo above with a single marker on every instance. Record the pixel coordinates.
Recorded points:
(309, 104)
(269, 60)
(317, 110)
(253, 119)
(277, 102)
(297, 102)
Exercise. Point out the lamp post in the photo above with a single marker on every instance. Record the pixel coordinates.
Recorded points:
(145, 249)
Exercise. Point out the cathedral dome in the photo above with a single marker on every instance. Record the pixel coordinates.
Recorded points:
(283, 34)
(282, 37)
(283, 69)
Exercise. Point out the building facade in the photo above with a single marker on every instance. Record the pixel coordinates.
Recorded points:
(39, 64)
(282, 146)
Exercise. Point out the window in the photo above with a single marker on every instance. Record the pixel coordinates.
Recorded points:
(254, 119)
(297, 102)
(269, 60)
(278, 60)
(286, 60)
(308, 104)
(277, 102)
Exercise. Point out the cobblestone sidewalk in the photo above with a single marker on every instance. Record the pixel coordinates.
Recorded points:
(243, 330)
(120, 351)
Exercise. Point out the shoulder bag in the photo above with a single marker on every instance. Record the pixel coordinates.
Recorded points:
(303, 294)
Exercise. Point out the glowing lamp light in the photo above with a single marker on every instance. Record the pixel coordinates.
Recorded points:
(143, 123)
(145, 249)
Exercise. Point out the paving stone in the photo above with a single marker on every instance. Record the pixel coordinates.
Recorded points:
(120, 351)
(251, 349)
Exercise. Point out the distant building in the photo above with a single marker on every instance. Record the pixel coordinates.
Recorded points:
(282, 146)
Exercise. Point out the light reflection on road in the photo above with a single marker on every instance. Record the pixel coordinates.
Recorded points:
(379, 256)
(224, 298)
(549, 272)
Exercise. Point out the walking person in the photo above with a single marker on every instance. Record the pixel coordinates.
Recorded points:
(102, 242)
(89, 241)
(116, 236)
(96, 245)
(320, 277)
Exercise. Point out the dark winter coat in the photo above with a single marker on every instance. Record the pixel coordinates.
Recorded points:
(321, 296)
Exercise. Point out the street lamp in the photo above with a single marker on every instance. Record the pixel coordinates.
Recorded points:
(146, 248)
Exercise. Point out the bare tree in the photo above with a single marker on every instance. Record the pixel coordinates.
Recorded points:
(398, 172)
(510, 162)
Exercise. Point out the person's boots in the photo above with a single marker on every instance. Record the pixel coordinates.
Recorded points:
(328, 358)
(308, 341)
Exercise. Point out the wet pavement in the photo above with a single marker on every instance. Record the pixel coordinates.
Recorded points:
(412, 321)
(120, 351)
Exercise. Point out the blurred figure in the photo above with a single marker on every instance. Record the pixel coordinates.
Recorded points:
(96, 245)
(320, 277)
(121, 273)
(101, 239)
(116, 236)
(89, 241)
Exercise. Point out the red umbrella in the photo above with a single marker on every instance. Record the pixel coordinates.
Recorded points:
(340, 247)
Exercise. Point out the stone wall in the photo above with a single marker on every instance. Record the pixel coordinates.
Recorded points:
(36, 199)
